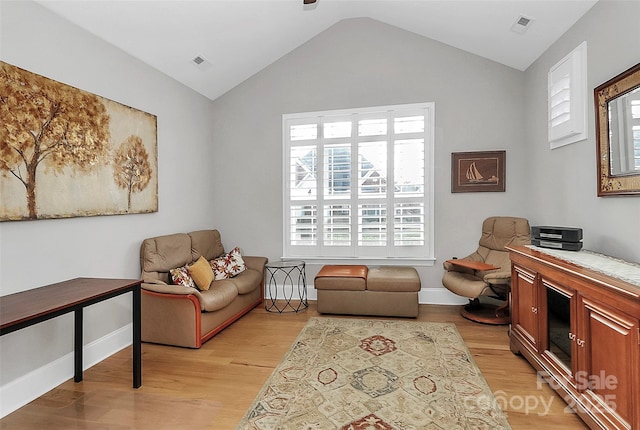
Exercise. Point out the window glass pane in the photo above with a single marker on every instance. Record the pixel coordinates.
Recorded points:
(408, 224)
(337, 129)
(304, 132)
(408, 124)
(372, 225)
(372, 169)
(337, 225)
(408, 167)
(337, 171)
(304, 225)
(303, 172)
(372, 127)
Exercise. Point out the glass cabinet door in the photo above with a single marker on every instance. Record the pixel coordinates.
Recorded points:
(558, 327)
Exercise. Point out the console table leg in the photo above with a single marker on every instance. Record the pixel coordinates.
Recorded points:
(77, 349)
(137, 338)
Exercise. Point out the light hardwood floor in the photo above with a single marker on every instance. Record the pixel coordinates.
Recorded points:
(211, 388)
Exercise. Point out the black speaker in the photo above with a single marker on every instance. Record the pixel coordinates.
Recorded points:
(564, 234)
(554, 244)
(567, 238)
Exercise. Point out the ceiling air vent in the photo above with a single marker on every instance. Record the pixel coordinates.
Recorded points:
(201, 63)
(522, 24)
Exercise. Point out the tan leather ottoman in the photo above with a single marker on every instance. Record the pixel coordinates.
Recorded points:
(342, 277)
(357, 290)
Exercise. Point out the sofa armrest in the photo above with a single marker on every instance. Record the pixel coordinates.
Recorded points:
(255, 263)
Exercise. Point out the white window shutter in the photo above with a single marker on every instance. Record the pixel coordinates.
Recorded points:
(567, 98)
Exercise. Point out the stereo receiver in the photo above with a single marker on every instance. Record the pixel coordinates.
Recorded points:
(567, 238)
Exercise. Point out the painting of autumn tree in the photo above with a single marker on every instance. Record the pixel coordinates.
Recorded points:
(131, 167)
(56, 153)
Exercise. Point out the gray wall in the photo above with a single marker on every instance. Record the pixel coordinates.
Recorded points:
(359, 63)
(563, 181)
(36, 253)
(226, 156)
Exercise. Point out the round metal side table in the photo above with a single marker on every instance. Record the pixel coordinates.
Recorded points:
(285, 287)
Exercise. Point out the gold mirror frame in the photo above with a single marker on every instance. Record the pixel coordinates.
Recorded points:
(609, 184)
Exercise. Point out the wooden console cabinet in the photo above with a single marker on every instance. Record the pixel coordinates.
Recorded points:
(580, 329)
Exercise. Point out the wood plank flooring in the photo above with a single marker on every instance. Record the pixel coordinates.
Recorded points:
(211, 388)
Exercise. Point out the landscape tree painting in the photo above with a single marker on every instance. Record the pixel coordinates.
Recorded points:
(58, 158)
(132, 170)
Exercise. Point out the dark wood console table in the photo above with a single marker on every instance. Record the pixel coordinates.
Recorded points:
(30, 307)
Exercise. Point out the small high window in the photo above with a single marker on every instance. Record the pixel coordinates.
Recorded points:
(567, 97)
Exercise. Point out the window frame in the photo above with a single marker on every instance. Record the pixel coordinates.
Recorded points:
(417, 255)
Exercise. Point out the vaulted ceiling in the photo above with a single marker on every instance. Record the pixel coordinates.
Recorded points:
(238, 38)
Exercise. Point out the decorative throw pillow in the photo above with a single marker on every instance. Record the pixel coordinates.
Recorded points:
(228, 265)
(201, 273)
(180, 276)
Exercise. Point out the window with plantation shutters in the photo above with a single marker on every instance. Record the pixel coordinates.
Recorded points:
(359, 183)
(567, 98)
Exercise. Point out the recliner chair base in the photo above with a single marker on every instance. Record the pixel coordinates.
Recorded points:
(486, 313)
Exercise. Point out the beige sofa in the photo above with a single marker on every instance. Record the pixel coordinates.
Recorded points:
(185, 316)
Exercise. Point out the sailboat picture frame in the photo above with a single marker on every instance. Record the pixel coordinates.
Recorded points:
(478, 171)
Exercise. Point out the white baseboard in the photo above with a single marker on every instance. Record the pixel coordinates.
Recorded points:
(440, 296)
(426, 296)
(34, 384)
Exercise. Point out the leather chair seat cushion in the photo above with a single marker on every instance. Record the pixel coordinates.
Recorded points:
(219, 295)
(393, 278)
(464, 284)
(247, 281)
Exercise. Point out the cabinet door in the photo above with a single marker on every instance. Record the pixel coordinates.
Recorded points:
(558, 326)
(609, 363)
(524, 294)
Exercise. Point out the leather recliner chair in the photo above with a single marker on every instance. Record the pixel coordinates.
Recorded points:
(466, 278)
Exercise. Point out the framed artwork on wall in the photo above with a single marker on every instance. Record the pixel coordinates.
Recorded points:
(65, 152)
(478, 171)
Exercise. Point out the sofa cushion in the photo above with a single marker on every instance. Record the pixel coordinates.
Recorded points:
(228, 265)
(181, 276)
(206, 243)
(201, 273)
(163, 253)
(218, 296)
(247, 281)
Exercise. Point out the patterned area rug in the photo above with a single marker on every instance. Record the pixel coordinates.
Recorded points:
(367, 374)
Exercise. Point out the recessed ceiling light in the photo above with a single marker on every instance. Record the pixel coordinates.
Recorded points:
(522, 24)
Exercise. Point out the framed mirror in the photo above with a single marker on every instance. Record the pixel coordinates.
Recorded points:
(617, 105)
